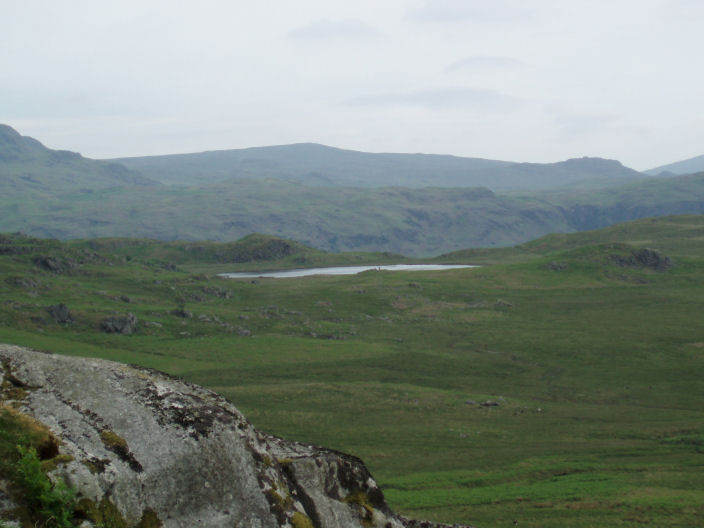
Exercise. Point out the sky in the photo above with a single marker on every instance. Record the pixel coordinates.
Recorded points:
(516, 80)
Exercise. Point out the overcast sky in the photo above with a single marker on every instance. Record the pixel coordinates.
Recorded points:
(519, 80)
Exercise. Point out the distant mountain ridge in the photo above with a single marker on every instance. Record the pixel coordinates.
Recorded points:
(320, 165)
(60, 194)
(28, 166)
(688, 166)
(312, 164)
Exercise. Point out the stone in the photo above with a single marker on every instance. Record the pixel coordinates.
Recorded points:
(60, 313)
(119, 325)
(556, 266)
(149, 444)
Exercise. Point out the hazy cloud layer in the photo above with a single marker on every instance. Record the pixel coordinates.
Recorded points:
(522, 80)
(473, 10)
(442, 99)
(335, 29)
(483, 62)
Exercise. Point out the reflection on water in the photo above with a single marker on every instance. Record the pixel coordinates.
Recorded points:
(343, 270)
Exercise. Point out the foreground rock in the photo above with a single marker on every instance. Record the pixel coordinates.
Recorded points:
(153, 445)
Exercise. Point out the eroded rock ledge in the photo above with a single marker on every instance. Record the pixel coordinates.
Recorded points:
(154, 445)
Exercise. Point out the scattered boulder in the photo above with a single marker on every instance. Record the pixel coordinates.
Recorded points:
(217, 292)
(644, 258)
(557, 266)
(60, 313)
(120, 325)
(23, 282)
(53, 264)
(141, 441)
(181, 312)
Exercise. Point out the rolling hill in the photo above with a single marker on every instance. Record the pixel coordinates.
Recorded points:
(319, 165)
(27, 166)
(60, 194)
(688, 166)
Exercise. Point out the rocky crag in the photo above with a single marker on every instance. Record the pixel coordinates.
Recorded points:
(153, 447)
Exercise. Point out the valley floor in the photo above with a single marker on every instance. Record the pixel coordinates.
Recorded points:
(561, 390)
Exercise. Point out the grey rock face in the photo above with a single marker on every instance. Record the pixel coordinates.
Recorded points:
(148, 441)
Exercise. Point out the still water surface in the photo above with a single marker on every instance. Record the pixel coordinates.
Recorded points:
(342, 270)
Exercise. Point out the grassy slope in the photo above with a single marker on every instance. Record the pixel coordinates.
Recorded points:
(681, 235)
(408, 221)
(596, 369)
(255, 252)
(417, 222)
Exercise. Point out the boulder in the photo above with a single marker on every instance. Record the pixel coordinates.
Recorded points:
(556, 266)
(119, 325)
(181, 312)
(153, 446)
(60, 313)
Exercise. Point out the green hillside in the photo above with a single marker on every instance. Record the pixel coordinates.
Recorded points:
(558, 387)
(254, 252)
(683, 235)
(62, 195)
(414, 222)
(29, 170)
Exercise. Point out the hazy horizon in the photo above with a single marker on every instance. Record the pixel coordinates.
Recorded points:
(527, 81)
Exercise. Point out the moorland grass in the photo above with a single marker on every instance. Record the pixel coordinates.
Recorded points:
(596, 369)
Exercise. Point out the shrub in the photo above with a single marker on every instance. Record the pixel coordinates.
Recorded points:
(53, 502)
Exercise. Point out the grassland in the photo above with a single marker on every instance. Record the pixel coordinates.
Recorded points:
(554, 387)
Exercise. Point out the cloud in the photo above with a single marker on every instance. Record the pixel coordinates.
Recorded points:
(443, 98)
(483, 62)
(443, 11)
(335, 29)
(573, 124)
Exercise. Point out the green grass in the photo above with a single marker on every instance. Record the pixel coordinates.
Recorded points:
(597, 369)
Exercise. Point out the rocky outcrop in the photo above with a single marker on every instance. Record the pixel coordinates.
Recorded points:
(644, 258)
(155, 446)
